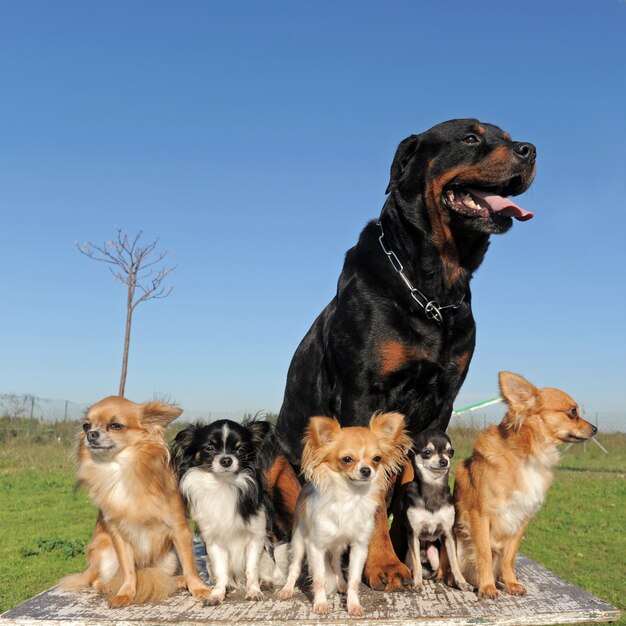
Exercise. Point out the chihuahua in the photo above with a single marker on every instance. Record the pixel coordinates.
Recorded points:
(503, 484)
(124, 463)
(348, 471)
(427, 509)
(222, 481)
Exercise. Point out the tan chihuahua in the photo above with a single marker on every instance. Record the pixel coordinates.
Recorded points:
(124, 463)
(503, 484)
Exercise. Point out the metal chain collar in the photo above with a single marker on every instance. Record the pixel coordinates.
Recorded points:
(432, 309)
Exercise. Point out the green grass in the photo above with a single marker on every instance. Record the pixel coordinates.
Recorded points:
(579, 534)
(46, 526)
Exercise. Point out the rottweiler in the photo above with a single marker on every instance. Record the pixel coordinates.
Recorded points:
(399, 335)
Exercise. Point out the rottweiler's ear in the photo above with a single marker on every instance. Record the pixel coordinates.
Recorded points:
(407, 148)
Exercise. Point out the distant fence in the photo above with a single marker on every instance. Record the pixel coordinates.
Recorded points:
(46, 410)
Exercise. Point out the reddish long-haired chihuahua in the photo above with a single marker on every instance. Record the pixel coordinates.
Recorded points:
(503, 484)
(347, 470)
(124, 463)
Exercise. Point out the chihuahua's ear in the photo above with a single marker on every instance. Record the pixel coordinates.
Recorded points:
(322, 430)
(395, 442)
(158, 413)
(183, 451)
(387, 425)
(259, 429)
(522, 397)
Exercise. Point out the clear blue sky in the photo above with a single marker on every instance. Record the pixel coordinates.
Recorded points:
(254, 138)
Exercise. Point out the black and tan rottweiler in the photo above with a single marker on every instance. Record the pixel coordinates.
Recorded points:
(399, 335)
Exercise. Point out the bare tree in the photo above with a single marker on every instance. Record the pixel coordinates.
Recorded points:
(134, 265)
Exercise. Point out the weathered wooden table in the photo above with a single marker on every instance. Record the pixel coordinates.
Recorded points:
(550, 600)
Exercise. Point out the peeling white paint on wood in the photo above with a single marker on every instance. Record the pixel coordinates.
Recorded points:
(550, 600)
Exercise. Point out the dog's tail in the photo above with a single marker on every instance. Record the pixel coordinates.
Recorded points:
(77, 582)
(153, 585)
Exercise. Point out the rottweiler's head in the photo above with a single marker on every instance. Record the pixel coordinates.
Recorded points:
(464, 171)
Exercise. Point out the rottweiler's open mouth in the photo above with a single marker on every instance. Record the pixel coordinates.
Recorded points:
(475, 202)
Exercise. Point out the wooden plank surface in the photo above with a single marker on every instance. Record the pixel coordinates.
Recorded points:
(550, 600)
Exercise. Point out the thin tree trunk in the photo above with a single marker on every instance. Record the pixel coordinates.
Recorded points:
(129, 316)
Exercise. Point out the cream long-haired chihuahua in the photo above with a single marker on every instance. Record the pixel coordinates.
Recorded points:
(347, 470)
(503, 484)
(124, 463)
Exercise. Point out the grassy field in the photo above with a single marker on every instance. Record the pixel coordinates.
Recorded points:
(580, 533)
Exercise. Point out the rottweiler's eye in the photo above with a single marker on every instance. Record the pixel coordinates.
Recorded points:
(471, 139)
(377, 459)
(347, 459)
(426, 453)
(115, 426)
(572, 413)
(86, 426)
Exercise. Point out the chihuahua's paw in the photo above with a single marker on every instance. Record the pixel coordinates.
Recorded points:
(202, 592)
(254, 594)
(101, 587)
(391, 576)
(462, 585)
(488, 591)
(515, 589)
(417, 586)
(120, 600)
(321, 608)
(355, 610)
(285, 593)
(342, 586)
(214, 599)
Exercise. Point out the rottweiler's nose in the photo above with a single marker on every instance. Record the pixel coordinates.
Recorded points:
(526, 151)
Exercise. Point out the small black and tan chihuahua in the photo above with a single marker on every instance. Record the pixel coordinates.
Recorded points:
(427, 509)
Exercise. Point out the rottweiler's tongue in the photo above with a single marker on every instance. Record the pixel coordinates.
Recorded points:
(498, 204)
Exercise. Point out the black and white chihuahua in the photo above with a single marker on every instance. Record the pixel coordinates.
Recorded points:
(428, 508)
(221, 479)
